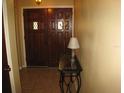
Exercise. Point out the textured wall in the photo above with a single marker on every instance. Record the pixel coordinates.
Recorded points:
(97, 26)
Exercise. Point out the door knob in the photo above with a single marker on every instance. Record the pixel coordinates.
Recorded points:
(7, 69)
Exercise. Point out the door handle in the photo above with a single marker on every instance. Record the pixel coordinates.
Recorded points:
(7, 69)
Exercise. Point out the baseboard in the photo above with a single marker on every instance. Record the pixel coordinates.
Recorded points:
(42, 67)
(21, 67)
(37, 66)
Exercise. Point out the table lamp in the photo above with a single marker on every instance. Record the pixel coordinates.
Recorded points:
(73, 44)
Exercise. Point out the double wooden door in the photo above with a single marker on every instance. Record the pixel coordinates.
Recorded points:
(47, 33)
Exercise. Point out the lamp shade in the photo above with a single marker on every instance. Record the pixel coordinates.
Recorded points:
(73, 43)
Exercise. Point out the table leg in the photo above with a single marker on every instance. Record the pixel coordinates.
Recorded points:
(79, 83)
(61, 81)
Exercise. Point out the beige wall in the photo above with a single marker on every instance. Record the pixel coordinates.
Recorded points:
(97, 26)
(19, 5)
(10, 38)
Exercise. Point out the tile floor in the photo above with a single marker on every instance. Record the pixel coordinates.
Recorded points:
(40, 80)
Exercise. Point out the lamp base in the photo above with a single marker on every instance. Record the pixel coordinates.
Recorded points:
(73, 63)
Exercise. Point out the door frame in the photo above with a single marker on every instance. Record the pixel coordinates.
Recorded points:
(22, 22)
(10, 41)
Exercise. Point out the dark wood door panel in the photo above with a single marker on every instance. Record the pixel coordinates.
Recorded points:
(35, 40)
(45, 45)
(61, 37)
(52, 46)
